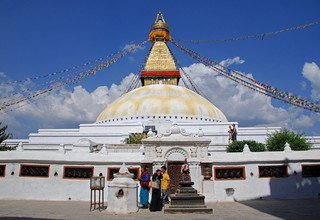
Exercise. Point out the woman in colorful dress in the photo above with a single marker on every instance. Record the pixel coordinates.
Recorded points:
(156, 201)
(234, 133)
(230, 134)
(144, 189)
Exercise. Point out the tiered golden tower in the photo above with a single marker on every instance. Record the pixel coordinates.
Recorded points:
(160, 66)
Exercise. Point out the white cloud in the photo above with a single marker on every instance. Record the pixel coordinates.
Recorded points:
(135, 47)
(234, 100)
(235, 60)
(303, 85)
(3, 75)
(67, 109)
(245, 106)
(304, 121)
(62, 108)
(311, 71)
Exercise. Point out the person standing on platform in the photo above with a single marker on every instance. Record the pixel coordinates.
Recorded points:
(234, 132)
(165, 184)
(144, 189)
(156, 202)
(230, 134)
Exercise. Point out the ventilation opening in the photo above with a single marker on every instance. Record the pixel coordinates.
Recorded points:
(119, 194)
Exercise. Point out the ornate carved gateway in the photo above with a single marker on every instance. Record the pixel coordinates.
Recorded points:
(172, 148)
(175, 145)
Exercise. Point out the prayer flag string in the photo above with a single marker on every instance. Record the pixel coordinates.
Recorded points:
(251, 83)
(187, 76)
(254, 36)
(73, 79)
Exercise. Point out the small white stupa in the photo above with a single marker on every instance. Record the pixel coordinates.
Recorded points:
(122, 193)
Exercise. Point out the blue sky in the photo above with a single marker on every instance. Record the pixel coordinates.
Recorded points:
(39, 37)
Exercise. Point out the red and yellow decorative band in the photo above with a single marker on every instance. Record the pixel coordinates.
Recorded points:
(160, 73)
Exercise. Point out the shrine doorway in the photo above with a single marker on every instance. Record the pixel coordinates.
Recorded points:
(174, 169)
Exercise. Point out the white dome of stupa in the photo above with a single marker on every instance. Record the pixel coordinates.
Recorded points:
(161, 100)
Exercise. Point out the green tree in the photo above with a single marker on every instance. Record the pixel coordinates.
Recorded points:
(3, 137)
(237, 146)
(277, 140)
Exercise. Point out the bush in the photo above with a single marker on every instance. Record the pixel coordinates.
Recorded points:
(237, 146)
(135, 138)
(6, 148)
(277, 140)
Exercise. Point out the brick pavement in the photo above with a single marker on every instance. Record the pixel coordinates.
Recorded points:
(255, 209)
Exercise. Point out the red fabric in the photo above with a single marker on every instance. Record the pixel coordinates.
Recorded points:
(160, 73)
(145, 184)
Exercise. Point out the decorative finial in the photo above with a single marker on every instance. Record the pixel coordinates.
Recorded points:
(104, 149)
(20, 147)
(123, 169)
(160, 29)
(159, 17)
(123, 173)
(61, 149)
(150, 133)
(287, 148)
(246, 149)
(200, 132)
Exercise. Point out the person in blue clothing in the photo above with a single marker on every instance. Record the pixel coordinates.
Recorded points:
(144, 189)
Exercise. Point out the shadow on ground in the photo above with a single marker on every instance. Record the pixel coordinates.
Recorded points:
(287, 209)
(287, 197)
(23, 218)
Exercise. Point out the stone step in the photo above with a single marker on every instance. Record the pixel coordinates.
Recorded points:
(182, 191)
(187, 206)
(187, 202)
(189, 210)
(187, 196)
(188, 188)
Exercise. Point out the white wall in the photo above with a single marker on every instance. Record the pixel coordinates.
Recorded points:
(49, 188)
(252, 187)
(116, 133)
(255, 187)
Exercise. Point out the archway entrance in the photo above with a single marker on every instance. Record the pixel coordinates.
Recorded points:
(174, 169)
(175, 158)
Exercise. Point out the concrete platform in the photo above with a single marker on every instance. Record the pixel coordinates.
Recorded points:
(255, 209)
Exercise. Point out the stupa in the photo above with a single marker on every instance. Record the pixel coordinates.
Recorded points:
(122, 193)
(160, 96)
(176, 124)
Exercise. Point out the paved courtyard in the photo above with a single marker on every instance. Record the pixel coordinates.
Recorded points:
(255, 209)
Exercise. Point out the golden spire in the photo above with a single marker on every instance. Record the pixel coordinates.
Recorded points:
(159, 30)
(160, 66)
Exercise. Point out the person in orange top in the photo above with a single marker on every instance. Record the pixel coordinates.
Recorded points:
(165, 184)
